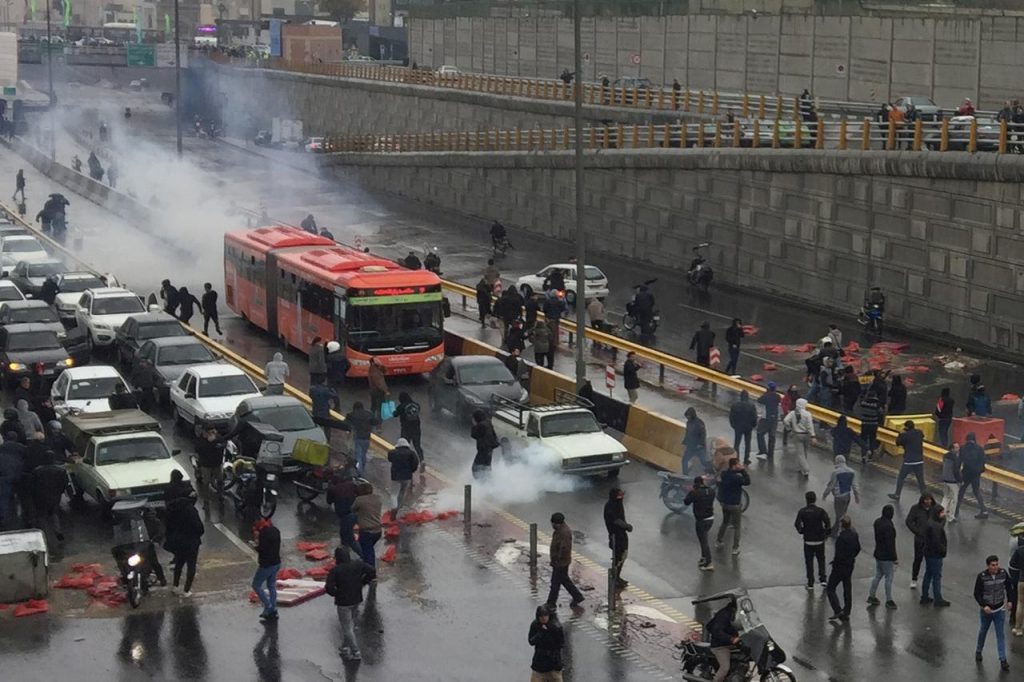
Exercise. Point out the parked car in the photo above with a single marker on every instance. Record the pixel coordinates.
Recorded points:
(20, 247)
(101, 312)
(31, 312)
(447, 71)
(959, 135)
(631, 83)
(9, 291)
(27, 349)
(207, 395)
(171, 356)
(70, 286)
(140, 328)
(315, 145)
(464, 384)
(30, 276)
(928, 109)
(596, 286)
(284, 413)
(85, 389)
(263, 138)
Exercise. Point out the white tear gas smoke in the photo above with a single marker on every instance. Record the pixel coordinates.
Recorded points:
(521, 477)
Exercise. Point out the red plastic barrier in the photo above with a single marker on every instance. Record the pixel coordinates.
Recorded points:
(392, 532)
(750, 329)
(1010, 396)
(982, 427)
(31, 608)
(389, 554)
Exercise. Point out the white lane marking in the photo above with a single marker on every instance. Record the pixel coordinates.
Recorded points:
(237, 541)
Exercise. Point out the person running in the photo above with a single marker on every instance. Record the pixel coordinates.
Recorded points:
(19, 185)
(268, 553)
(345, 583)
(187, 305)
(885, 557)
(801, 424)
(842, 486)
(813, 524)
(547, 639)
(847, 549)
(703, 500)
(935, 548)
(730, 496)
(917, 522)
(993, 592)
(561, 558)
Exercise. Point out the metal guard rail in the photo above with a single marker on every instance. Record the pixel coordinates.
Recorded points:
(887, 436)
(1001, 137)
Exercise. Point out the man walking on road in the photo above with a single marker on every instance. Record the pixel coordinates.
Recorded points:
(404, 462)
(734, 337)
(730, 496)
(618, 532)
(703, 500)
(771, 401)
(847, 549)
(935, 547)
(629, 376)
(870, 418)
(19, 185)
(842, 487)
(561, 558)
(695, 442)
(993, 591)
(813, 524)
(912, 442)
(885, 557)
(209, 306)
(972, 462)
(345, 583)
(951, 481)
(917, 522)
(743, 419)
(702, 342)
(268, 551)
(800, 422)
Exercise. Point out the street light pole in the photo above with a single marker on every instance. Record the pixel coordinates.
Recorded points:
(49, 77)
(581, 237)
(177, 76)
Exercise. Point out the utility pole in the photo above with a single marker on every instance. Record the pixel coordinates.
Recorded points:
(49, 77)
(581, 236)
(177, 74)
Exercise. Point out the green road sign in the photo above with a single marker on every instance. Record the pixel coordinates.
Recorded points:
(141, 55)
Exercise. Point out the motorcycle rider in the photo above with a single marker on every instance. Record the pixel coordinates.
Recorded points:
(722, 636)
(702, 342)
(643, 307)
(499, 236)
(432, 262)
(412, 261)
(699, 271)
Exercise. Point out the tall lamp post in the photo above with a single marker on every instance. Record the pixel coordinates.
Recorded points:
(581, 237)
(177, 75)
(49, 77)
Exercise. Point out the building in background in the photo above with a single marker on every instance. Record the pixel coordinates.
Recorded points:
(311, 43)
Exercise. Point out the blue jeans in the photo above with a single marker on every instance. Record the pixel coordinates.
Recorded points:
(886, 570)
(699, 453)
(267, 576)
(360, 447)
(906, 470)
(932, 577)
(347, 532)
(367, 542)
(997, 618)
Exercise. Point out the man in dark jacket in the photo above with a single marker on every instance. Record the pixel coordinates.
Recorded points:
(733, 338)
(268, 553)
(813, 524)
(702, 342)
(561, 558)
(547, 639)
(972, 463)
(993, 591)
(695, 442)
(486, 440)
(917, 522)
(885, 556)
(408, 413)
(209, 308)
(12, 454)
(743, 419)
(618, 532)
(341, 492)
(935, 547)
(169, 293)
(484, 289)
(404, 462)
(345, 583)
(362, 422)
(847, 549)
(210, 456)
(629, 376)
(184, 535)
(943, 415)
(723, 635)
(48, 483)
(730, 496)
(771, 401)
(912, 442)
(703, 500)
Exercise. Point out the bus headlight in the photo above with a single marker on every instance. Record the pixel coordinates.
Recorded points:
(437, 357)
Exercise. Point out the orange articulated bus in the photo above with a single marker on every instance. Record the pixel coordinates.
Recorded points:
(298, 286)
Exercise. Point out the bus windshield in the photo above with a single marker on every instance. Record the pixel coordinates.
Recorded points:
(413, 326)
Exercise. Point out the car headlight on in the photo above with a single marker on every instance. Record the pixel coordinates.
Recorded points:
(66, 362)
(16, 366)
(571, 462)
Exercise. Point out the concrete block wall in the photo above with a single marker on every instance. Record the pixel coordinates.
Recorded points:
(856, 58)
(943, 236)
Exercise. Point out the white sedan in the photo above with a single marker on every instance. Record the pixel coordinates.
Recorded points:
(86, 389)
(206, 396)
(597, 282)
(20, 247)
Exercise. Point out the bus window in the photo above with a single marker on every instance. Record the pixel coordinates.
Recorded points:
(399, 324)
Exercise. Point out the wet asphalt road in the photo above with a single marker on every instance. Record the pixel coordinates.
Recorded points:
(662, 552)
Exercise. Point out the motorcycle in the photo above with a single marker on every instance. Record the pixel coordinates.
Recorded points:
(675, 486)
(757, 656)
(253, 471)
(632, 319)
(872, 312)
(700, 272)
(432, 261)
(133, 549)
(501, 245)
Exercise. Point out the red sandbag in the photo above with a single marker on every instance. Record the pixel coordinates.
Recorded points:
(447, 515)
(317, 555)
(96, 569)
(386, 518)
(1010, 396)
(310, 546)
(852, 347)
(392, 532)
(389, 554)
(769, 367)
(750, 330)
(919, 369)
(890, 347)
(318, 572)
(72, 581)
(804, 348)
(289, 574)
(756, 377)
(31, 608)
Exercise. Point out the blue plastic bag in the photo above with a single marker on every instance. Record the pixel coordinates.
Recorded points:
(387, 409)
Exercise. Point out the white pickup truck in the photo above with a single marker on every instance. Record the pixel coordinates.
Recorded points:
(122, 455)
(566, 429)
